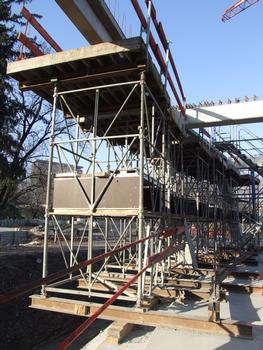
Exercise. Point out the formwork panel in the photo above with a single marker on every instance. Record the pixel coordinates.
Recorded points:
(122, 192)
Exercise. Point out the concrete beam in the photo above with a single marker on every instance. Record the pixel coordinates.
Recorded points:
(93, 19)
(227, 114)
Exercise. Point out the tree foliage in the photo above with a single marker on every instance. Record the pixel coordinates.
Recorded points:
(24, 120)
(8, 106)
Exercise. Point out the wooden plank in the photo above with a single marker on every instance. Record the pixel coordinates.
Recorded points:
(118, 331)
(137, 316)
(202, 293)
(87, 293)
(243, 287)
(100, 212)
(194, 272)
(172, 283)
(189, 293)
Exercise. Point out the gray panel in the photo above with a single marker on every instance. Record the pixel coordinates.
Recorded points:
(122, 192)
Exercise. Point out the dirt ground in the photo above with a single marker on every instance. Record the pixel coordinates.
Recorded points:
(24, 328)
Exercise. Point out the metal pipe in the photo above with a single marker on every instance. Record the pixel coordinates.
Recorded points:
(93, 183)
(165, 43)
(49, 180)
(98, 138)
(141, 186)
(71, 242)
(157, 52)
(99, 87)
(32, 20)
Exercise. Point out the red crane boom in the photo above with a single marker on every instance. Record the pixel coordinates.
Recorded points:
(238, 7)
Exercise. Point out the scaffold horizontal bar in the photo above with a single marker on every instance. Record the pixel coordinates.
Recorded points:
(96, 139)
(99, 87)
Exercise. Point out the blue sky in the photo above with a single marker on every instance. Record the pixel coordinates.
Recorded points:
(215, 60)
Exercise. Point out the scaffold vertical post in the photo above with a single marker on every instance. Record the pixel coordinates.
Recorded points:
(49, 182)
(141, 199)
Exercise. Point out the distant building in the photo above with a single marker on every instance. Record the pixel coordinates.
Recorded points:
(38, 177)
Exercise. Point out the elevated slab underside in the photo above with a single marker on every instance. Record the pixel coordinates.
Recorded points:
(91, 66)
(193, 145)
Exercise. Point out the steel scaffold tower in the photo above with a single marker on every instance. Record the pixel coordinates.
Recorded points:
(161, 200)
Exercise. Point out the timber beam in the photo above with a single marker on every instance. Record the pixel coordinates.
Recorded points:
(253, 275)
(192, 287)
(167, 293)
(248, 288)
(118, 331)
(137, 316)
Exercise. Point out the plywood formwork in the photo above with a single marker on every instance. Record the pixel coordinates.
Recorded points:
(79, 71)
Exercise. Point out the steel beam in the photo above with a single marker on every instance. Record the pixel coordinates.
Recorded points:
(32, 20)
(29, 44)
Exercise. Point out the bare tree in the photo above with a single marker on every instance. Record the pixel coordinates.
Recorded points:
(32, 133)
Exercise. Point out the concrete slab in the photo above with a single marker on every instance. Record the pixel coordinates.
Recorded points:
(34, 68)
(245, 307)
(179, 339)
(136, 340)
